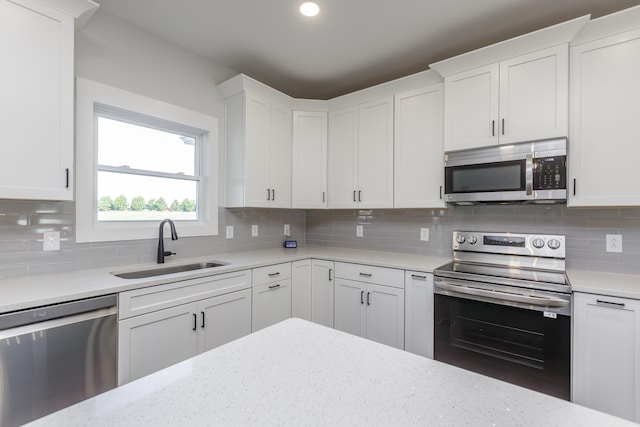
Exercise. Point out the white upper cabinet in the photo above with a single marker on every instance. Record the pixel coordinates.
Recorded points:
(418, 148)
(258, 145)
(361, 156)
(605, 126)
(309, 180)
(513, 91)
(36, 105)
(524, 98)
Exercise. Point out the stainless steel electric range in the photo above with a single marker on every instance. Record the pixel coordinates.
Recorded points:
(503, 309)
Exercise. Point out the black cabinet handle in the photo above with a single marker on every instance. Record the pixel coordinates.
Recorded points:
(574, 186)
(274, 274)
(366, 274)
(268, 194)
(360, 195)
(323, 197)
(441, 192)
(493, 128)
(610, 303)
(368, 298)
(417, 276)
(361, 297)
(195, 321)
(354, 195)
(202, 324)
(273, 194)
(330, 270)
(503, 126)
(67, 173)
(277, 285)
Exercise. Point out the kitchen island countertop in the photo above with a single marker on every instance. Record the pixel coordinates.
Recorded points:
(297, 373)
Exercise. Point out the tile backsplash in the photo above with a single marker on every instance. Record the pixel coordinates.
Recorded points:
(23, 222)
(398, 230)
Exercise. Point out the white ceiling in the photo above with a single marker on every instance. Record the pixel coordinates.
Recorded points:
(351, 44)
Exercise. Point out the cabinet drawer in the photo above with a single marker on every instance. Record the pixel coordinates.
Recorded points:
(146, 300)
(370, 274)
(271, 273)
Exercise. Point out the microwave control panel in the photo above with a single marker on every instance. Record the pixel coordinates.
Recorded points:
(550, 173)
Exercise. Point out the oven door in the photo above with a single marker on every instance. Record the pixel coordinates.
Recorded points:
(529, 347)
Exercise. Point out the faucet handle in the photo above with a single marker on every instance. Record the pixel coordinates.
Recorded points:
(169, 253)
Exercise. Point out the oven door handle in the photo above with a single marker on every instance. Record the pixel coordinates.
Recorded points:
(504, 296)
(528, 175)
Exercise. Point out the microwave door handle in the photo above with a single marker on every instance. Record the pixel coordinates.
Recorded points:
(528, 174)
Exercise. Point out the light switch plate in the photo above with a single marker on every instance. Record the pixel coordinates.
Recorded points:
(359, 231)
(614, 242)
(51, 241)
(254, 231)
(229, 231)
(287, 230)
(424, 234)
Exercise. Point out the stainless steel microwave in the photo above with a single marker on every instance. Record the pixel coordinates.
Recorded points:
(533, 172)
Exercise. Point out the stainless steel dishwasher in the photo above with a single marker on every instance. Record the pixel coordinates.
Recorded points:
(54, 356)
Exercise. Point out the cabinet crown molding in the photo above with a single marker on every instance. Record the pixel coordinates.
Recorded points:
(80, 10)
(526, 43)
(609, 25)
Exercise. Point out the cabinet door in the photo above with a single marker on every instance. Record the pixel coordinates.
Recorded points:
(375, 154)
(156, 340)
(606, 345)
(343, 155)
(534, 96)
(418, 152)
(271, 304)
(280, 156)
(471, 108)
(36, 105)
(223, 319)
(419, 313)
(301, 289)
(257, 151)
(349, 307)
(309, 181)
(322, 292)
(605, 130)
(385, 315)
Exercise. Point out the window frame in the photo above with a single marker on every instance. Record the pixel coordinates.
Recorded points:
(92, 96)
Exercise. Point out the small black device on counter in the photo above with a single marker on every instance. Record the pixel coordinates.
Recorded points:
(290, 244)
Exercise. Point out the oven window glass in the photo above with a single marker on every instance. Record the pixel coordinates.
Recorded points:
(503, 176)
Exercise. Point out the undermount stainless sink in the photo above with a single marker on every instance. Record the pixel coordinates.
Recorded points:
(140, 274)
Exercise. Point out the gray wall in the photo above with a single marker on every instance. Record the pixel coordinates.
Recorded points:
(398, 230)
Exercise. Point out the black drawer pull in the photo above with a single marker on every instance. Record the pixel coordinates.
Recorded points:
(366, 274)
(195, 321)
(277, 285)
(611, 303)
(361, 297)
(368, 298)
(274, 274)
(202, 324)
(417, 276)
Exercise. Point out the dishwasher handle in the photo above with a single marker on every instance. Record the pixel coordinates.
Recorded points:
(50, 312)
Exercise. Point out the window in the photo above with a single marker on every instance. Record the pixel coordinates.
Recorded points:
(140, 161)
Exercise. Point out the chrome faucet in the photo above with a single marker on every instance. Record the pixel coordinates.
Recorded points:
(174, 236)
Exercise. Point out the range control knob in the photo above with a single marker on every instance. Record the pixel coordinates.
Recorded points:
(554, 244)
(472, 239)
(537, 243)
(460, 238)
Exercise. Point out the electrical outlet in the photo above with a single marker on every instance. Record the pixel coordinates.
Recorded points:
(254, 231)
(359, 231)
(229, 231)
(287, 230)
(51, 241)
(614, 242)
(424, 234)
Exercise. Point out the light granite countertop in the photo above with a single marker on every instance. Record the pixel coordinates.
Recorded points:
(297, 373)
(35, 291)
(611, 284)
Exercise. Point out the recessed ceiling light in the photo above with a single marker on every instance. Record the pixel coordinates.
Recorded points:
(309, 9)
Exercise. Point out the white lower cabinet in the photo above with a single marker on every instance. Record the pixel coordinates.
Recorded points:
(271, 295)
(301, 289)
(163, 325)
(367, 309)
(418, 332)
(322, 291)
(606, 354)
